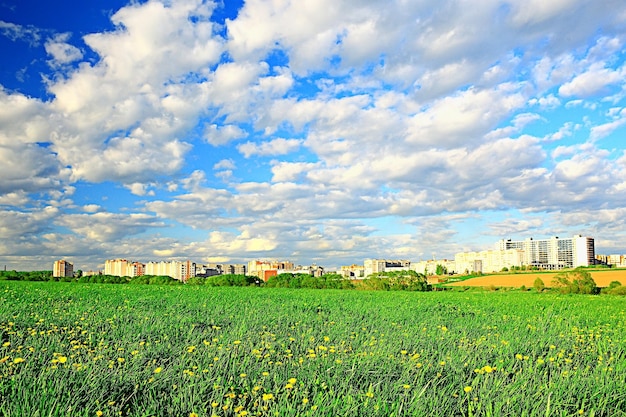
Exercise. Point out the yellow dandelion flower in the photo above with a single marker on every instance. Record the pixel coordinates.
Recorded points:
(214, 404)
(292, 381)
(369, 394)
(6, 344)
(158, 370)
(121, 360)
(18, 360)
(265, 373)
(305, 401)
(406, 386)
(193, 415)
(237, 342)
(62, 359)
(313, 407)
(243, 375)
(268, 397)
(467, 389)
(99, 413)
(288, 386)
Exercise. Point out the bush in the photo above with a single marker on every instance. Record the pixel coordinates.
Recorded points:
(539, 285)
(575, 282)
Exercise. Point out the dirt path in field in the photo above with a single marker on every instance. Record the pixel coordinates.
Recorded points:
(602, 279)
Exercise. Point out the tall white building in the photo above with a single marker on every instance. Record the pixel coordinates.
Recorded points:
(373, 266)
(180, 270)
(62, 268)
(555, 252)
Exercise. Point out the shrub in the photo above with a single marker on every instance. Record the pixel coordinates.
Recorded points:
(539, 284)
(575, 282)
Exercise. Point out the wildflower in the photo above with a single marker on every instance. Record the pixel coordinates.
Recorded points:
(158, 370)
(519, 357)
(313, 407)
(18, 360)
(467, 389)
(214, 404)
(193, 415)
(305, 401)
(292, 381)
(190, 349)
(237, 342)
(6, 344)
(62, 359)
(243, 375)
(121, 360)
(268, 397)
(406, 386)
(99, 413)
(369, 394)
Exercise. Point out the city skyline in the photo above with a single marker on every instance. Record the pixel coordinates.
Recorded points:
(328, 130)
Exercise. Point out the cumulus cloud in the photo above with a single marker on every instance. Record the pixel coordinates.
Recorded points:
(278, 146)
(62, 52)
(324, 123)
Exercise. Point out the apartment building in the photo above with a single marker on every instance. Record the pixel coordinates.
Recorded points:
(373, 266)
(62, 268)
(180, 270)
(123, 268)
(488, 260)
(554, 253)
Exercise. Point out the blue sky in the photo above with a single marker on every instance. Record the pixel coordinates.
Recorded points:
(320, 132)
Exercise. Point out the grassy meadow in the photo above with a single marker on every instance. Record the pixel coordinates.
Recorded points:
(70, 349)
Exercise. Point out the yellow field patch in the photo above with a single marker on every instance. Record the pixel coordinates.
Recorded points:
(602, 279)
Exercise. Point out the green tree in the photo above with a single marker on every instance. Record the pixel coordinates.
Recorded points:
(539, 284)
(578, 281)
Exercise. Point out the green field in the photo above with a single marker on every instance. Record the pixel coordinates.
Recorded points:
(73, 349)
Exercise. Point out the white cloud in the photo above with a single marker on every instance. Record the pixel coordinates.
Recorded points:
(62, 52)
(591, 83)
(278, 146)
(221, 135)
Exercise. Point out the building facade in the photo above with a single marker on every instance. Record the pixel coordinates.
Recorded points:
(62, 268)
(554, 253)
(373, 266)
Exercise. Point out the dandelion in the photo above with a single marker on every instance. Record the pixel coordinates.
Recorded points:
(62, 359)
(305, 401)
(158, 370)
(18, 360)
(268, 397)
(121, 360)
(193, 415)
(406, 386)
(292, 381)
(313, 407)
(242, 375)
(99, 413)
(369, 394)
(467, 389)
(6, 344)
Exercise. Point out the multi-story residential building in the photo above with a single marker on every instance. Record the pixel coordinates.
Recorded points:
(430, 266)
(554, 253)
(353, 271)
(180, 270)
(116, 267)
(373, 266)
(62, 268)
(488, 260)
(266, 269)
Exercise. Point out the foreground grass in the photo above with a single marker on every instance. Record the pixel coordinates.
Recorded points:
(87, 350)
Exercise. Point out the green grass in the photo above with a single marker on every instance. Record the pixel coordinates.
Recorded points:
(83, 349)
